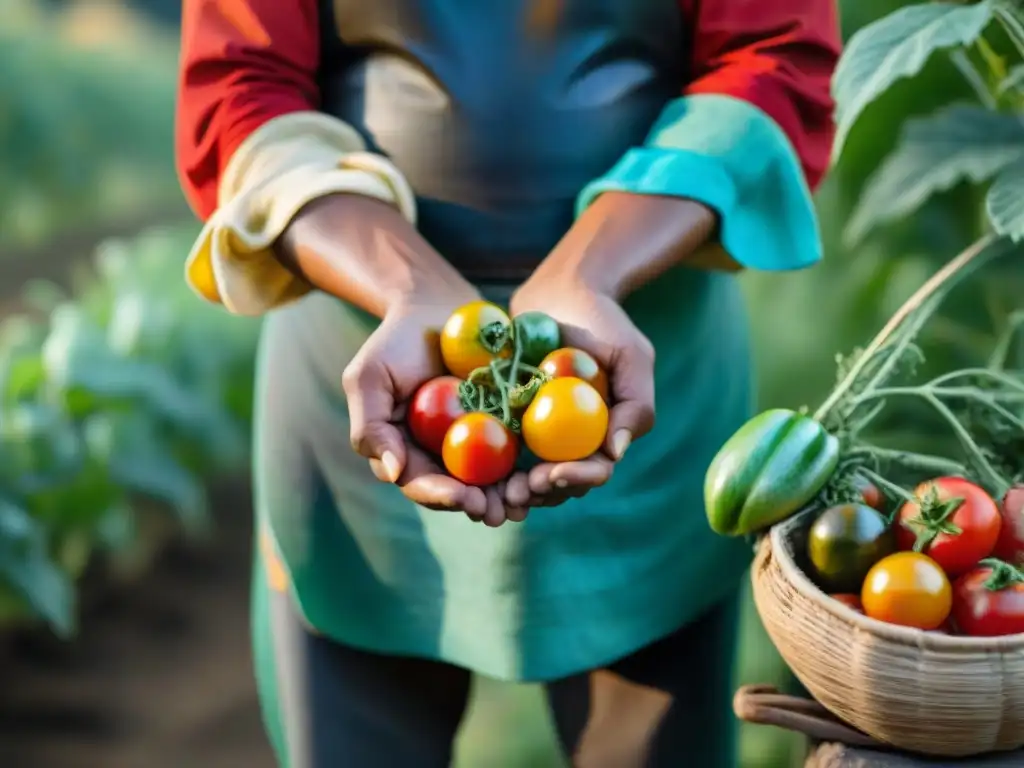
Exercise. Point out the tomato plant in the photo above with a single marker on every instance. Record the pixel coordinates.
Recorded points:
(433, 409)
(575, 363)
(909, 589)
(479, 450)
(844, 542)
(953, 521)
(1010, 545)
(989, 600)
(474, 335)
(536, 335)
(566, 421)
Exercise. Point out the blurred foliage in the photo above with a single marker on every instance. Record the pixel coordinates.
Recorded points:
(85, 131)
(127, 392)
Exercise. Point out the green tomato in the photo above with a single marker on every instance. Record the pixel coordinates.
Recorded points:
(773, 466)
(843, 544)
(537, 335)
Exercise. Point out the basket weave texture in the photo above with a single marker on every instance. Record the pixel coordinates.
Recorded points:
(919, 691)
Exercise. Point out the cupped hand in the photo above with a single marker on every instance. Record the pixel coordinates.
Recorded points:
(394, 361)
(594, 322)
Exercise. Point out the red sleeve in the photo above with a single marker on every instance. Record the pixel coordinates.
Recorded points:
(243, 62)
(778, 55)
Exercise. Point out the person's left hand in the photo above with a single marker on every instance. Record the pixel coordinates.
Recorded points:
(593, 321)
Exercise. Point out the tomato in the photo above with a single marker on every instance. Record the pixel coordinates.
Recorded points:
(474, 335)
(1010, 545)
(849, 600)
(844, 542)
(989, 600)
(870, 493)
(909, 589)
(770, 468)
(955, 523)
(433, 409)
(536, 336)
(566, 421)
(479, 449)
(576, 363)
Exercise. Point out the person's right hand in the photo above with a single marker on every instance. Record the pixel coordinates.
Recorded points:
(365, 253)
(397, 358)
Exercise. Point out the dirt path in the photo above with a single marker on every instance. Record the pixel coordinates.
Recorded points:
(160, 677)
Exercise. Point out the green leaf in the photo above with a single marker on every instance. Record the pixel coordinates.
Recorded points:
(1005, 202)
(28, 570)
(896, 47)
(140, 460)
(962, 142)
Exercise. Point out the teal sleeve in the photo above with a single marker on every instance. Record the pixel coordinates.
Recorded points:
(730, 156)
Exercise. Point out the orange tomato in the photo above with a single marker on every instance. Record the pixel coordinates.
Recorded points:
(479, 450)
(569, 361)
(909, 589)
(462, 345)
(566, 421)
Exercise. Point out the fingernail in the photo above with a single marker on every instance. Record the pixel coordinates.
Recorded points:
(391, 465)
(563, 483)
(620, 442)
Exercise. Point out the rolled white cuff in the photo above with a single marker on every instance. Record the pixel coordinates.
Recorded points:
(287, 163)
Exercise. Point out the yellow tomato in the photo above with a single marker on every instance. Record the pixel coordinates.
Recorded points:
(462, 346)
(909, 589)
(566, 421)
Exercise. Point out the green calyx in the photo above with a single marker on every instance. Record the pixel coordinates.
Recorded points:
(1003, 574)
(933, 518)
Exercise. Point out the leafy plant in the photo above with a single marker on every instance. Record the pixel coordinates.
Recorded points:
(127, 392)
(978, 141)
(83, 133)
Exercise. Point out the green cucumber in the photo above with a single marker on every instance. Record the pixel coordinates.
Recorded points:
(772, 467)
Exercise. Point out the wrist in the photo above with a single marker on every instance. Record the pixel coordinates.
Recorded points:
(365, 252)
(623, 240)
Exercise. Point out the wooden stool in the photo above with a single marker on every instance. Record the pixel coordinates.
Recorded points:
(833, 755)
(834, 744)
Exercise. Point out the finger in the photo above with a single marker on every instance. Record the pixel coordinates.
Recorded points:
(516, 514)
(632, 383)
(371, 406)
(494, 517)
(588, 473)
(445, 493)
(517, 490)
(425, 483)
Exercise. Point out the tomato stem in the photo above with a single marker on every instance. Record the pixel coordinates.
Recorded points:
(1003, 574)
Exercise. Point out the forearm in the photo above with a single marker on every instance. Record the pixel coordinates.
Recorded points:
(365, 252)
(623, 241)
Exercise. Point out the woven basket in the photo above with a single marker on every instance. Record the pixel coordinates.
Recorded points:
(919, 691)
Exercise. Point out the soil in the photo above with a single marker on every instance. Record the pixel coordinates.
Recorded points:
(160, 676)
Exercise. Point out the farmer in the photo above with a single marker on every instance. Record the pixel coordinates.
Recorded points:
(364, 168)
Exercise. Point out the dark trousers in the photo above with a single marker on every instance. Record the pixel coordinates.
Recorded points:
(331, 706)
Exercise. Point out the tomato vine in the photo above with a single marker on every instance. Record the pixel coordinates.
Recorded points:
(499, 388)
(978, 405)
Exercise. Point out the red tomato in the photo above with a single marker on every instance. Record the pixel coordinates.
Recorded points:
(985, 612)
(1010, 546)
(479, 449)
(434, 408)
(850, 601)
(870, 493)
(957, 537)
(570, 362)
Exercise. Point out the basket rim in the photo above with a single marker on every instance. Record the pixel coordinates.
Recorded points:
(908, 636)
